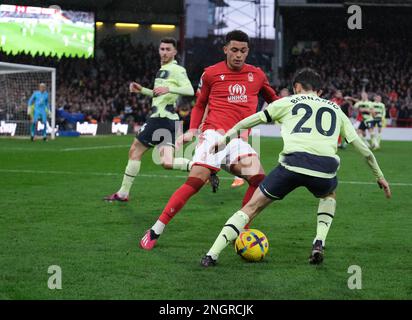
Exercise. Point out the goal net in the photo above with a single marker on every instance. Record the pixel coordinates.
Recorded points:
(17, 84)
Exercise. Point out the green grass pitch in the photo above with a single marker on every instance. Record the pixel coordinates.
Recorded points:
(44, 42)
(52, 213)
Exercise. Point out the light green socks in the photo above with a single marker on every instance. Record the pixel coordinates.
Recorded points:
(365, 141)
(374, 142)
(132, 169)
(378, 139)
(230, 232)
(326, 212)
(182, 164)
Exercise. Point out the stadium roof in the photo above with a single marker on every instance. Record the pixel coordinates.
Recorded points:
(160, 11)
(390, 19)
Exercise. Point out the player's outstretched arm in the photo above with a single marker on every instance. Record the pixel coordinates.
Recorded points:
(183, 87)
(232, 133)
(350, 98)
(135, 87)
(373, 164)
(183, 91)
(383, 184)
(275, 111)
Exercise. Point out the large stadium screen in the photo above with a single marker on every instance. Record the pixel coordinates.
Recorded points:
(47, 31)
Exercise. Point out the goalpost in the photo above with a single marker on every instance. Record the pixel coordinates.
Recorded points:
(17, 84)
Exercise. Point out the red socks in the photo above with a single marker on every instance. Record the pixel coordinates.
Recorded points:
(253, 184)
(191, 187)
(180, 197)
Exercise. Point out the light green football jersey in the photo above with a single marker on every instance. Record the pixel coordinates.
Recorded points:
(380, 110)
(364, 105)
(310, 127)
(174, 77)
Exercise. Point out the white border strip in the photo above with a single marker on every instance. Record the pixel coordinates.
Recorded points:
(96, 148)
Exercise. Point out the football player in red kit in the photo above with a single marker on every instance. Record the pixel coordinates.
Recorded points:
(230, 89)
(339, 100)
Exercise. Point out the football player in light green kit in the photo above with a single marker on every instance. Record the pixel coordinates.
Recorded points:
(159, 130)
(310, 129)
(379, 116)
(364, 106)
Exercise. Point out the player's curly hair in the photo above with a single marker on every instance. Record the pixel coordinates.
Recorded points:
(237, 35)
(308, 78)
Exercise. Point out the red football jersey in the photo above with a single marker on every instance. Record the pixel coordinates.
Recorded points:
(338, 101)
(231, 95)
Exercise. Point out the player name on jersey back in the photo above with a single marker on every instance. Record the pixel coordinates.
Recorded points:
(310, 129)
(301, 98)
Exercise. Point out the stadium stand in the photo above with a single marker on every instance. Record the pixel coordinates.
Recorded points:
(97, 88)
(353, 64)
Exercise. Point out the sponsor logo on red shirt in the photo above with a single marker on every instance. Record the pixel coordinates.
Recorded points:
(237, 93)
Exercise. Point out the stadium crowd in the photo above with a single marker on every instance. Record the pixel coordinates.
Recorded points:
(98, 88)
(353, 65)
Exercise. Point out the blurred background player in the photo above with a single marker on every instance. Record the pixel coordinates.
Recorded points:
(159, 130)
(37, 108)
(365, 116)
(284, 93)
(308, 159)
(378, 119)
(230, 89)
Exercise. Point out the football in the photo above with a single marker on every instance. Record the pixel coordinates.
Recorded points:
(252, 245)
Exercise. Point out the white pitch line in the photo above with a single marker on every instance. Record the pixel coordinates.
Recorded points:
(26, 149)
(96, 148)
(401, 184)
(64, 149)
(164, 176)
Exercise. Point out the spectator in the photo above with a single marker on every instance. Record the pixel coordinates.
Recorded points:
(284, 92)
(99, 88)
(393, 114)
(184, 114)
(403, 116)
(353, 65)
